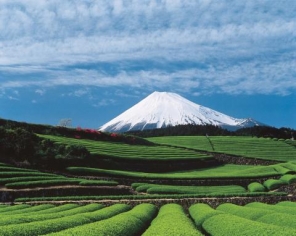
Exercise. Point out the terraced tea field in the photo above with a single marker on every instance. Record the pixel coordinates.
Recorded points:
(224, 171)
(252, 147)
(147, 219)
(132, 152)
(184, 198)
(18, 178)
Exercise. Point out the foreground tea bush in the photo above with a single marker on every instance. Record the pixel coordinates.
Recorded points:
(280, 219)
(54, 225)
(225, 225)
(32, 209)
(172, 220)
(275, 208)
(244, 212)
(200, 212)
(286, 203)
(52, 213)
(133, 222)
(14, 208)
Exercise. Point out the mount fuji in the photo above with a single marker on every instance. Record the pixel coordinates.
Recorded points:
(163, 109)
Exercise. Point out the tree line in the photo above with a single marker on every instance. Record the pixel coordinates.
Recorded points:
(212, 130)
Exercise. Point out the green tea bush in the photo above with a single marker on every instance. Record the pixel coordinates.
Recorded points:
(290, 165)
(135, 185)
(195, 189)
(54, 225)
(244, 212)
(288, 179)
(33, 209)
(286, 203)
(275, 208)
(14, 208)
(272, 184)
(226, 171)
(171, 220)
(25, 179)
(42, 183)
(98, 183)
(176, 189)
(259, 148)
(280, 219)
(200, 212)
(256, 187)
(133, 222)
(283, 170)
(10, 168)
(10, 174)
(53, 213)
(225, 225)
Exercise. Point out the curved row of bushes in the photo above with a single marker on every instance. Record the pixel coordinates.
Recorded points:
(230, 219)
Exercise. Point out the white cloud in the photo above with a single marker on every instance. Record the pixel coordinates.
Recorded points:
(104, 102)
(246, 78)
(40, 91)
(244, 47)
(12, 98)
(79, 92)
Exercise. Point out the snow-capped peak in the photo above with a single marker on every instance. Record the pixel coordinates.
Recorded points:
(163, 109)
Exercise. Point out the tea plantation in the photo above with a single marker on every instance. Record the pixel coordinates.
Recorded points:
(148, 219)
(181, 185)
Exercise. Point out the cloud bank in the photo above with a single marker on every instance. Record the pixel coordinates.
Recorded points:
(232, 47)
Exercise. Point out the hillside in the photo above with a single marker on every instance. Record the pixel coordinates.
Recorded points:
(70, 181)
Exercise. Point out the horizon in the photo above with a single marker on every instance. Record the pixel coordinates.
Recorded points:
(92, 60)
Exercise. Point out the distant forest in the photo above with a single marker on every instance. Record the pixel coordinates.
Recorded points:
(211, 130)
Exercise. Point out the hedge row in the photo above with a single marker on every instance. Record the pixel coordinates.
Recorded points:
(288, 179)
(244, 212)
(28, 210)
(256, 187)
(280, 219)
(275, 208)
(175, 189)
(133, 222)
(42, 183)
(200, 212)
(53, 213)
(10, 174)
(259, 148)
(171, 220)
(226, 224)
(55, 225)
(252, 219)
(29, 178)
(272, 184)
(98, 183)
(230, 172)
(14, 208)
(59, 181)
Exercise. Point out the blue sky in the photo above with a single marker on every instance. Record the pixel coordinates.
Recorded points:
(91, 60)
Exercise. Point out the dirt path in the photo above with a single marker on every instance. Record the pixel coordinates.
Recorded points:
(185, 202)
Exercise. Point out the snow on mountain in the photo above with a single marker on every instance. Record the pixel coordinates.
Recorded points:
(163, 109)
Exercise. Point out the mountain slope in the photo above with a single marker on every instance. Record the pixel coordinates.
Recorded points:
(163, 109)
